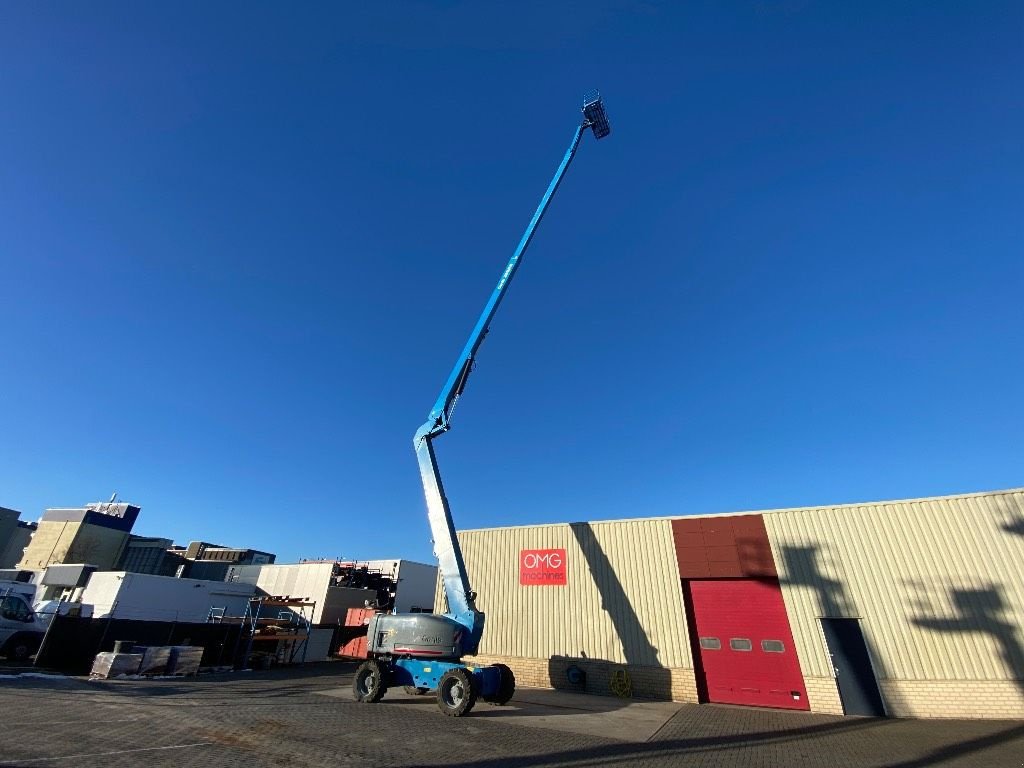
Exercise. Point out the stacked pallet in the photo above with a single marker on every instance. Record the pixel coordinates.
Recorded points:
(149, 661)
(108, 665)
(184, 660)
(154, 659)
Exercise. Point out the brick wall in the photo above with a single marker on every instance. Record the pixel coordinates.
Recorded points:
(646, 682)
(990, 699)
(987, 699)
(823, 695)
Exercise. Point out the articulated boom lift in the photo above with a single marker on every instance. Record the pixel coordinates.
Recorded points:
(423, 652)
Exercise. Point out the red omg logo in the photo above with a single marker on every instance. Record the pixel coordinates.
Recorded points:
(542, 566)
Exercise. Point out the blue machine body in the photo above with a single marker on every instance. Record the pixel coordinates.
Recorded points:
(423, 673)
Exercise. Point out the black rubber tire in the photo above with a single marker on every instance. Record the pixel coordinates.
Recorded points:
(369, 685)
(456, 693)
(412, 690)
(506, 688)
(21, 646)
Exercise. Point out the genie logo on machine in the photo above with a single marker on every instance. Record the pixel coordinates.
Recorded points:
(538, 567)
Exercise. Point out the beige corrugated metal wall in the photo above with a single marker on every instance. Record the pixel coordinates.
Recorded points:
(939, 583)
(622, 602)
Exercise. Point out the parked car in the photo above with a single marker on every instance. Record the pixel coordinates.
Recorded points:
(46, 609)
(21, 632)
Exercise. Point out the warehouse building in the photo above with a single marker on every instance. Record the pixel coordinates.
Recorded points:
(202, 560)
(15, 535)
(95, 533)
(336, 586)
(902, 608)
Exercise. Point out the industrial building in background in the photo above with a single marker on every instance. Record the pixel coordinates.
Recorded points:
(148, 554)
(94, 534)
(905, 608)
(335, 586)
(202, 560)
(199, 560)
(15, 535)
(100, 534)
(84, 566)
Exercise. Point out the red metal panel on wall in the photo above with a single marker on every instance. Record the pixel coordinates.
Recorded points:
(744, 644)
(723, 547)
(719, 569)
(717, 532)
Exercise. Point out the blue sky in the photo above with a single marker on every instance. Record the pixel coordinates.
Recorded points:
(242, 244)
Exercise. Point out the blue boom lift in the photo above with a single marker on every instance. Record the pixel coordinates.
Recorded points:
(423, 652)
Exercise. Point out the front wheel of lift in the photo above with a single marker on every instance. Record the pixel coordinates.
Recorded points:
(368, 685)
(506, 688)
(456, 693)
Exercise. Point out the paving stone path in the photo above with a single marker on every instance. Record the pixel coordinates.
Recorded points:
(301, 717)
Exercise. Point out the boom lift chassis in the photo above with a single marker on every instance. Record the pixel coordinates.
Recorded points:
(424, 652)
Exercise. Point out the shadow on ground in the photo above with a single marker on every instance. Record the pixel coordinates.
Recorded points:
(752, 744)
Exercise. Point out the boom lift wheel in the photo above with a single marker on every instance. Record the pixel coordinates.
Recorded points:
(506, 688)
(369, 685)
(456, 693)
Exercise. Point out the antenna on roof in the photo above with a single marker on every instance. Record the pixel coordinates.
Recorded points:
(113, 497)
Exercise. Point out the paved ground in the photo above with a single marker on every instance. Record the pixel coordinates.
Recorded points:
(305, 717)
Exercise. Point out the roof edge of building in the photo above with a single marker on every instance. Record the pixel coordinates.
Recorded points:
(781, 510)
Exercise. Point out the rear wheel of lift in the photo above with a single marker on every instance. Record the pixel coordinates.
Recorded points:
(368, 685)
(506, 688)
(456, 693)
(412, 690)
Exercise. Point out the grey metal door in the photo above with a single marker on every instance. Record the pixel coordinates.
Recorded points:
(858, 688)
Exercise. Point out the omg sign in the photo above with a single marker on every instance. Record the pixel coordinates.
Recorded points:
(542, 566)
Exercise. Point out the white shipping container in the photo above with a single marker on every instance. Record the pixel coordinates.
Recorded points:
(144, 597)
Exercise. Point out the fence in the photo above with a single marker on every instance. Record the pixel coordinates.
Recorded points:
(72, 642)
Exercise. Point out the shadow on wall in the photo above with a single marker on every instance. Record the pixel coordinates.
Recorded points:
(755, 558)
(1016, 527)
(582, 674)
(1013, 514)
(653, 680)
(981, 610)
(803, 569)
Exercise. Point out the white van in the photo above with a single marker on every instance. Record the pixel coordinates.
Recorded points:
(20, 631)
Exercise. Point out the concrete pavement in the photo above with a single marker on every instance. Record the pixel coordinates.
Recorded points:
(304, 717)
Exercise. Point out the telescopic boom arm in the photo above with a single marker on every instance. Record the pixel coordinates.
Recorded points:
(461, 599)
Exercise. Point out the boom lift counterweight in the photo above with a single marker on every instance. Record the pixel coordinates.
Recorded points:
(424, 652)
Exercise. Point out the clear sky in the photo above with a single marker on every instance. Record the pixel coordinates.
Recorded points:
(241, 245)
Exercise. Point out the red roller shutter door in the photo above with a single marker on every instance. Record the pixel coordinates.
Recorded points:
(739, 614)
